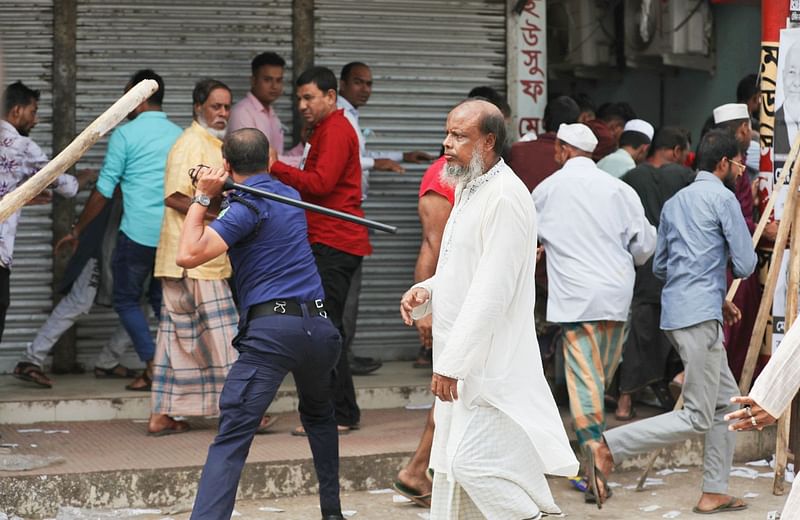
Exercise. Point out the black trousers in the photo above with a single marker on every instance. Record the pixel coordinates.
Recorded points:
(336, 268)
(5, 297)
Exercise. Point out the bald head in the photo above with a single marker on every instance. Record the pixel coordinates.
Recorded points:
(474, 140)
(247, 151)
(488, 118)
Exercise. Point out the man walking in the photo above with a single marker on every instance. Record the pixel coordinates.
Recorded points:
(283, 326)
(586, 215)
(491, 446)
(700, 227)
(331, 177)
(135, 161)
(634, 142)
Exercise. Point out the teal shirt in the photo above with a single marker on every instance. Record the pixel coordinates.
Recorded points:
(617, 164)
(135, 160)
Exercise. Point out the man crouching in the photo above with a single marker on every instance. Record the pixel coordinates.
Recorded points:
(283, 326)
(498, 430)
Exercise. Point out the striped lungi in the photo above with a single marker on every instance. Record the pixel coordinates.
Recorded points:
(592, 352)
(193, 348)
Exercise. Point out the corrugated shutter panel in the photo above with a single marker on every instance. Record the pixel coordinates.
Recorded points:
(184, 41)
(26, 29)
(425, 57)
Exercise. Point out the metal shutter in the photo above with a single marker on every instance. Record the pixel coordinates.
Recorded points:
(425, 57)
(26, 27)
(184, 41)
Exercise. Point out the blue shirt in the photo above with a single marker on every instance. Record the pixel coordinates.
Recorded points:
(136, 159)
(276, 263)
(701, 226)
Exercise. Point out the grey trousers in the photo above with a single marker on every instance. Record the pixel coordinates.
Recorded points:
(77, 302)
(707, 390)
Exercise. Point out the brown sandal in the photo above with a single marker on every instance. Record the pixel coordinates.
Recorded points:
(143, 383)
(32, 373)
(116, 372)
(173, 428)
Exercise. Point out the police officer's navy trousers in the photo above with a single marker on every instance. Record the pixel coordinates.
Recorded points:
(270, 347)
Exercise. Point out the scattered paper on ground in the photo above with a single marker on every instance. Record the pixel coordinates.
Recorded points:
(671, 514)
(55, 431)
(650, 508)
(384, 491)
(77, 513)
(400, 499)
(268, 509)
(27, 462)
(29, 430)
(758, 463)
(349, 513)
(420, 406)
(614, 484)
(750, 495)
(670, 471)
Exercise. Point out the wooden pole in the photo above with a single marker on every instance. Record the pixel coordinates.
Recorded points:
(765, 309)
(14, 201)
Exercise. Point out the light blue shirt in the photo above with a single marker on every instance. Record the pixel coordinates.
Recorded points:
(701, 226)
(618, 163)
(136, 159)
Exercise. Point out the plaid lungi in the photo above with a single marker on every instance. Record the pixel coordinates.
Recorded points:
(193, 347)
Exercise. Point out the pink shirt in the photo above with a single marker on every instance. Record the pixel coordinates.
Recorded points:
(250, 113)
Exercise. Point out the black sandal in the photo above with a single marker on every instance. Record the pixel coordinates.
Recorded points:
(32, 373)
(116, 372)
(145, 386)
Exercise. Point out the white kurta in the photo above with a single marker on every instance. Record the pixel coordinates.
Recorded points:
(774, 390)
(482, 299)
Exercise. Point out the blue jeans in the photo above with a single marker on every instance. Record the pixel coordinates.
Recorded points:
(270, 347)
(132, 265)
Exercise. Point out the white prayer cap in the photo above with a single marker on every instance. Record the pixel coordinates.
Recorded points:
(641, 126)
(730, 112)
(578, 135)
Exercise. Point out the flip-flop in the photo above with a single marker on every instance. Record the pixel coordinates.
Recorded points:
(579, 483)
(413, 494)
(146, 387)
(175, 427)
(595, 476)
(113, 373)
(722, 508)
(264, 428)
(343, 430)
(32, 374)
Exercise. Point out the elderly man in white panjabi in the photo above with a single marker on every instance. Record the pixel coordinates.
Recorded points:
(498, 430)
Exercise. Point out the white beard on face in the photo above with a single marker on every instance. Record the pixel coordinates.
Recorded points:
(453, 174)
(219, 134)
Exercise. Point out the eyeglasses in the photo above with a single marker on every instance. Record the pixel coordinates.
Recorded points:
(738, 164)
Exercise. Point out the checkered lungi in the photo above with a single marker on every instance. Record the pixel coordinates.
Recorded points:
(193, 347)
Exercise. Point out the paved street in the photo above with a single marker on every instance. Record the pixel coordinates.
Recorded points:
(672, 499)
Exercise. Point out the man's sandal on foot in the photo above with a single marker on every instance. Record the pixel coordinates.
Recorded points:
(32, 373)
(174, 427)
(728, 506)
(595, 477)
(423, 500)
(116, 372)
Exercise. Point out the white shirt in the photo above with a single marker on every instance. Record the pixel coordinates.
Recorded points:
(594, 231)
(20, 159)
(618, 163)
(482, 299)
(367, 157)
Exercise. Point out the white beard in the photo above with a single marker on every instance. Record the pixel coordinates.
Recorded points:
(453, 175)
(219, 134)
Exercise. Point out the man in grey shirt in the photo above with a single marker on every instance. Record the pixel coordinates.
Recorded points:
(701, 227)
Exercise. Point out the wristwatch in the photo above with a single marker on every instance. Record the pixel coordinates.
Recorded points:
(202, 199)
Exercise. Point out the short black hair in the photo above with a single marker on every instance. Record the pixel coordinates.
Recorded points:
(18, 95)
(747, 88)
(561, 110)
(347, 69)
(157, 98)
(487, 93)
(668, 137)
(585, 103)
(204, 88)
(716, 145)
(322, 77)
(633, 138)
(247, 151)
(266, 58)
(611, 111)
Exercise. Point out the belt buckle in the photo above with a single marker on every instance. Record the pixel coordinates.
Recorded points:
(319, 303)
(280, 307)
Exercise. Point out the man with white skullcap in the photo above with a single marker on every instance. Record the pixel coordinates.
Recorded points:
(594, 232)
(633, 146)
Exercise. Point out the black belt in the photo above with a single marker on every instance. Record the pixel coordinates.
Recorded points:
(286, 307)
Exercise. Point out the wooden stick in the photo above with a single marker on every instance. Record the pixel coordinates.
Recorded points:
(655, 454)
(765, 309)
(765, 216)
(14, 201)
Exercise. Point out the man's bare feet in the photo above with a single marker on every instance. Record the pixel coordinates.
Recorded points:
(417, 481)
(720, 502)
(625, 410)
(162, 424)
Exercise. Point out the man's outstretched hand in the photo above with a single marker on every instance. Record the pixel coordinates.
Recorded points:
(413, 298)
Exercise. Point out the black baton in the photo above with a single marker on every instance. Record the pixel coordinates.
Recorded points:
(230, 185)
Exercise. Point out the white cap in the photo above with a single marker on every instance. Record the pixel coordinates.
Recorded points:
(578, 135)
(730, 112)
(641, 126)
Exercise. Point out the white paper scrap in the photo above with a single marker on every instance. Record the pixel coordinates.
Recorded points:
(654, 481)
(650, 508)
(671, 514)
(349, 513)
(422, 406)
(614, 484)
(400, 499)
(758, 463)
(750, 495)
(268, 509)
(29, 430)
(55, 431)
(384, 491)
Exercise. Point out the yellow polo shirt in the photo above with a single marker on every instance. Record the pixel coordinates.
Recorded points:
(194, 146)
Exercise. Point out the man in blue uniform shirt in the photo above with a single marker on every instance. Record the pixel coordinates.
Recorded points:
(283, 325)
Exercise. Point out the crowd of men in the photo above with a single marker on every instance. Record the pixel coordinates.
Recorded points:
(627, 293)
